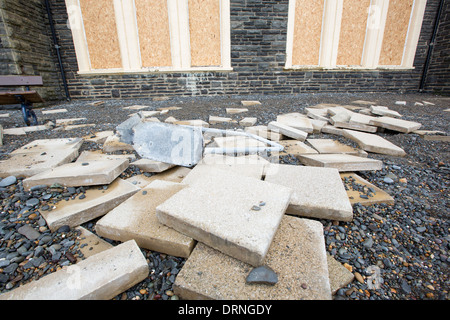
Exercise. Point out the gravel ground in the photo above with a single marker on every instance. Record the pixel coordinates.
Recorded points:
(403, 247)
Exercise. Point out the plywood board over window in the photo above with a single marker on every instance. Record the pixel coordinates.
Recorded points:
(154, 33)
(204, 29)
(101, 33)
(396, 31)
(307, 29)
(353, 32)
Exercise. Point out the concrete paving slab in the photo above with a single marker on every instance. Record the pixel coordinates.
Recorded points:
(113, 144)
(318, 114)
(360, 118)
(216, 120)
(24, 130)
(136, 219)
(65, 122)
(296, 120)
(295, 148)
(332, 130)
(237, 142)
(54, 111)
(99, 137)
(355, 126)
(342, 162)
(324, 146)
(176, 174)
(79, 174)
(236, 110)
(168, 143)
(264, 132)
(399, 125)
(98, 202)
(354, 192)
(224, 210)
(287, 131)
(250, 103)
(340, 277)
(147, 165)
(97, 155)
(248, 122)
(437, 138)
(39, 156)
(100, 277)
(317, 192)
(194, 123)
(136, 107)
(318, 125)
(374, 143)
(384, 111)
(297, 255)
(90, 243)
(249, 167)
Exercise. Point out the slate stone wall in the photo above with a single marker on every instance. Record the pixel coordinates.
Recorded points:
(258, 45)
(25, 45)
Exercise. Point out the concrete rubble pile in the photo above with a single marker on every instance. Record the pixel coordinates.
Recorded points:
(246, 224)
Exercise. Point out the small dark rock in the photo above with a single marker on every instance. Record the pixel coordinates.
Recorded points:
(262, 275)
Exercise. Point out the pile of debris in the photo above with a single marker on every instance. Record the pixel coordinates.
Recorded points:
(246, 224)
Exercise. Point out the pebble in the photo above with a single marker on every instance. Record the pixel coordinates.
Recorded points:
(6, 182)
(262, 275)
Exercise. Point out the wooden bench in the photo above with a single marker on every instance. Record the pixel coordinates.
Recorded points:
(24, 97)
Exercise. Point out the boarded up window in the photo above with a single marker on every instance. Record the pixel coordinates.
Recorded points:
(353, 32)
(204, 28)
(395, 33)
(101, 33)
(307, 32)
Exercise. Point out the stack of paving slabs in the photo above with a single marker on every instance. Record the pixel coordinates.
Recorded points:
(39, 156)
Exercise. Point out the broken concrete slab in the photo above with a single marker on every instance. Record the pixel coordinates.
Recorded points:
(360, 118)
(358, 189)
(318, 125)
(384, 111)
(91, 244)
(113, 144)
(235, 214)
(168, 143)
(250, 103)
(79, 174)
(237, 142)
(136, 107)
(374, 143)
(176, 174)
(246, 165)
(100, 277)
(54, 111)
(317, 192)
(39, 156)
(364, 102)
(236, 110)
(136, 219)
(264, 132)
(436, 138)
(97, 202)
(324, 146)
(287, 131)
(295, 148)
(296, 120)
(99, 137)
(355, 126)
(24, 130)
(332, 130)
(340, 277)
(97, 155)
(216, 120)
(396, 124)
(193, 123)
(171, 120)
(318, 114)
(248, 122)
(342, 162)
(147, 165)
(65, 122)
(298, 245)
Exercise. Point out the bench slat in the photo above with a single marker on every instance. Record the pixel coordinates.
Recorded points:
(9, 81)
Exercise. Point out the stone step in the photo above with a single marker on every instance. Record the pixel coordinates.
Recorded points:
(235, 214)
(136, 219)
(297, 255)
(97, 202)
(79, 174)
(317, 192)
(374, 143)
(99, 277)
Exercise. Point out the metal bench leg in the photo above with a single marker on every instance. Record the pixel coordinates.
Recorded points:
(28, 114)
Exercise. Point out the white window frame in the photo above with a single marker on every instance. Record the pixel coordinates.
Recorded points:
(331, 27)
(128, 35)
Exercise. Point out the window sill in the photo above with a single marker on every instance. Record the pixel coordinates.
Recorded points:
(152, 71)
